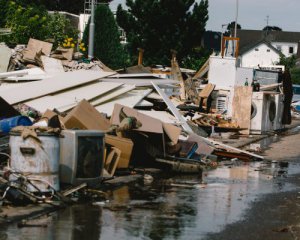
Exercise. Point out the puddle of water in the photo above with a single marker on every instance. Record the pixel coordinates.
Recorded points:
(187, 210)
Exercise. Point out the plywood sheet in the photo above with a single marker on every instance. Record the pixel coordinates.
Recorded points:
(241, 107)
(117, 92)
(51, 85)
(141, 82)
(207, 90)
(66, 100)
(161, 115)
(129, 99)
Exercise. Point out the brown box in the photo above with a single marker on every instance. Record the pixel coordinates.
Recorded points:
(125, 145)
(85, 116)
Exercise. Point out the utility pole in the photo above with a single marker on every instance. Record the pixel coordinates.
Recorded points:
(236, 17)
(92, 31)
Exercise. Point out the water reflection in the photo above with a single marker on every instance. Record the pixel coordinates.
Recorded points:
(185, 210)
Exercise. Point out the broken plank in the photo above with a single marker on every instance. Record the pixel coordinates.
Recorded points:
(55, 84)
(117, 92)
(140, 82)
(68, 99)
(131, 99)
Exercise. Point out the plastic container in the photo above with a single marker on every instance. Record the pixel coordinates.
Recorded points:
(7, 124)
(39, 161)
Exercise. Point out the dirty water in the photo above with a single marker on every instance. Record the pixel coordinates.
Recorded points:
(178, 207)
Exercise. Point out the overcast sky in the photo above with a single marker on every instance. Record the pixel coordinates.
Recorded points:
(252, 13)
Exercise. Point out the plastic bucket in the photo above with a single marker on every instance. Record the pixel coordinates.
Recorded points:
(7, 124)
(39, 161)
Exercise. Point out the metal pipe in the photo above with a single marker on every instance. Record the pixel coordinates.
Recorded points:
(236, 17)
(92, 31)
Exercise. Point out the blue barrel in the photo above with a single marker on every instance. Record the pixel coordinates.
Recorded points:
(7, 124)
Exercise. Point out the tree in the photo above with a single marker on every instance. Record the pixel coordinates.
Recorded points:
(272, 28)
(230, 28)
(30, 21)
(107, 46)
(158, 26)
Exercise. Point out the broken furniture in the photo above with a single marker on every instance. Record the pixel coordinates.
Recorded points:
(205, 95)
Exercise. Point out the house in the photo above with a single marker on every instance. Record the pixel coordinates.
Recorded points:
(255, 44)
(261, 53)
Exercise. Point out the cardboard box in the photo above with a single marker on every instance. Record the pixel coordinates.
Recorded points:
(85, 116)
(125, 145)
(149, 124)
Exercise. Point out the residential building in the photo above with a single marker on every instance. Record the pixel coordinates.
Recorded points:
(265, 47)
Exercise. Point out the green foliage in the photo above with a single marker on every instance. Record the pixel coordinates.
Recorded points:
(230, 28)
(272, 28)
(107, 46)
(58, 28)
(34, 22)
(195, 59)
(290, 63)
(295, 74)
(159, 26)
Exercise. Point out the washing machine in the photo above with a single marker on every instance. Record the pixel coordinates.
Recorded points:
(263, 113)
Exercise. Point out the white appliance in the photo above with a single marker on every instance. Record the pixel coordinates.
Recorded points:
(263, 111)
(277, 124)
(222, 101)
(266, 112)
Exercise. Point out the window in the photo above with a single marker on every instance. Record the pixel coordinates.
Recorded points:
(291, 50)
(268, 50)
(256, 49)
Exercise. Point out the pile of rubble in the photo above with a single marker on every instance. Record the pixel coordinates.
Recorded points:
(101, 123)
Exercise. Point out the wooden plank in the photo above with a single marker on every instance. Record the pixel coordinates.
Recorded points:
(129, 100)
(117, 92)
(55, 84)
(69, 99)
(241, 107)
(207, 90)
(177, 75)
(141, 82)
(161, 115)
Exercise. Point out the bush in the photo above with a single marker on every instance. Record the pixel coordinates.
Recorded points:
(34, 22)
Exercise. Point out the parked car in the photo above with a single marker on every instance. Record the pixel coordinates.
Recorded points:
(296, 91)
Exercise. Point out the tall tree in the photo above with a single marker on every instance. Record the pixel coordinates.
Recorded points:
(230, 28)
(272, 28)
(158, 26)
(107, 46)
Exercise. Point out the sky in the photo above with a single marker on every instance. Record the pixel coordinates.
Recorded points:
(252, 14)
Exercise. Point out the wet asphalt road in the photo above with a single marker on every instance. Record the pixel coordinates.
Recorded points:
(258, 200)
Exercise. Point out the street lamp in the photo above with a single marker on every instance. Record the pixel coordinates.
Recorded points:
(236, 17)
(92, 31)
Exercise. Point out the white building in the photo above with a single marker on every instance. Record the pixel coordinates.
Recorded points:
(262, 53)
(265, 47)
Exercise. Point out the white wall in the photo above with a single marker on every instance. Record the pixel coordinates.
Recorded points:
(243, 74)
(261, 54)
(222, 71)
(284, 47)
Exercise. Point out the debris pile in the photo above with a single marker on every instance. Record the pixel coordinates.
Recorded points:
(99, 124)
